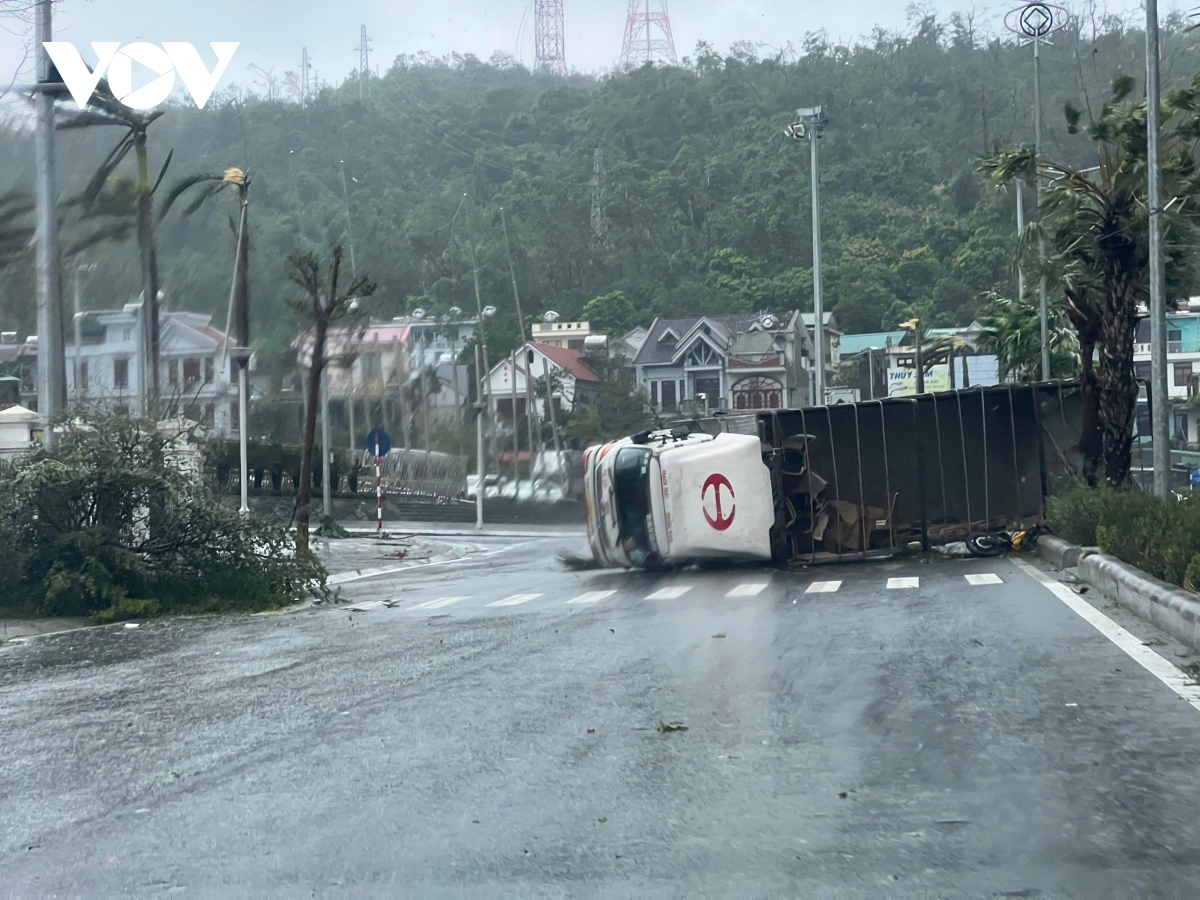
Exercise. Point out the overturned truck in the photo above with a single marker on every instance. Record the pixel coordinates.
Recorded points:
(831, 483)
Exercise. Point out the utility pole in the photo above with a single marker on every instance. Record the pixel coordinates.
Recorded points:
(810, 125)
(305, 69)
(349, 219)
(326, 448)
(364, 60)
(480, 462)
(1160, 413)
(1020, 185)
(51, 361)
(599, 224)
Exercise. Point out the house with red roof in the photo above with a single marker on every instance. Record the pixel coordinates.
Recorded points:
(512, 380)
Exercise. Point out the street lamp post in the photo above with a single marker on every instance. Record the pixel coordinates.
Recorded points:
(810, 125)
(1036, 21)
(1160, 424)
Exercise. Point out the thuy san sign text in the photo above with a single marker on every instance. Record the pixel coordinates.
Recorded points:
(166, 61)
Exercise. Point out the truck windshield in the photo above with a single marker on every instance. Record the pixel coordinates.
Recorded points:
(631, 485)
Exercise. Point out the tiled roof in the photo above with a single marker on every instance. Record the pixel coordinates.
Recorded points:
(566, 359)
(654, 352)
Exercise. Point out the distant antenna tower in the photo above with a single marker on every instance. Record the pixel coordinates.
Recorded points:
(550, 37)
(305, 78)
(648, 36)
(599, 222)
(364, 59)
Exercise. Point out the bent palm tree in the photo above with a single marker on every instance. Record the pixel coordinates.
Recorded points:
(128, 202)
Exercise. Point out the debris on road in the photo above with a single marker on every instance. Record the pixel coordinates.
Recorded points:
(665, 727)
(132, 625)
(718, 637)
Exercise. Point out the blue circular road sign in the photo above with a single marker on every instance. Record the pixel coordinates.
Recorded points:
(385, 442)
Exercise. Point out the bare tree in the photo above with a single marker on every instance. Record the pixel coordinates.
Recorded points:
(319, 307)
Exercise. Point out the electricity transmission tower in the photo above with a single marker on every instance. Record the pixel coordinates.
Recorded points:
(550, 37)
(305, 79)
(648, 37)
(599, 222)
(364, 59)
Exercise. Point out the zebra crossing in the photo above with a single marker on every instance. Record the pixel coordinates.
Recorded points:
(748, 590)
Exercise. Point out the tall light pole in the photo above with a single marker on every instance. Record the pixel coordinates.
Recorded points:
(1161, 426)
(51, 362)
(1036, 21)
(810, 125)
(486, 314)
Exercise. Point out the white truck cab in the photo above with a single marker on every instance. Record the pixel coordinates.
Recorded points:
(669, 498)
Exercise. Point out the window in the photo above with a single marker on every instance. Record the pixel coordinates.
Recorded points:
(710, 387)
(191, 370)
(235, 417)
(654, 394)
(703, 355)
(668, 395)
(173, 372)
(1141, 371)
(1183, 374)
(209, 416)
(372, 367)
(83, 376)
(121, 373)
(1174, 340)
(757, 393)
(208, 370)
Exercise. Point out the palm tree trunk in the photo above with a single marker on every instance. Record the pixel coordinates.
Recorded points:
(148, 250)
(1116, 387)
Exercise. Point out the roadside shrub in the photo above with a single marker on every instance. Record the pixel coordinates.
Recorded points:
(106, 525)
(1191, 578)
(1160, 538)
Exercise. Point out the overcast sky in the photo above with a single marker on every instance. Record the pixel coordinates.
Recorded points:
(272, 32)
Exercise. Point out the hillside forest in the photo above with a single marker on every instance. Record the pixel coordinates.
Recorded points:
(704, 202)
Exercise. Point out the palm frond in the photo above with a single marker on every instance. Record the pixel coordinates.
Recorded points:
(162, 173)
(182, 186)
(96, 183)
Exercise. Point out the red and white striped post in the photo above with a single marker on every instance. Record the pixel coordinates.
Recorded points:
(378, 488)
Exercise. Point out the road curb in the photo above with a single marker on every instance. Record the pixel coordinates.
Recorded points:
(1058, 552)
(1166, 606)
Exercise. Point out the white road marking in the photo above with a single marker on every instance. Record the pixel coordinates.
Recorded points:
(899, 584)
(439, 603)
(977, 580)
(747, 590)
(365, 574)
(670, 593)
(823, 587)
(1145, 657)
(515, 600)
(591, 597)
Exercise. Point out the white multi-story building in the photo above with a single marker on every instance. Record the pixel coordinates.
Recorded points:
(198, 378)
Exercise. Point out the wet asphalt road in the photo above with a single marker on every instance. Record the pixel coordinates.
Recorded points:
(944, 740)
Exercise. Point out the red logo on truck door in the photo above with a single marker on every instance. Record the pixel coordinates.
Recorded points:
(717, 483)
